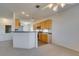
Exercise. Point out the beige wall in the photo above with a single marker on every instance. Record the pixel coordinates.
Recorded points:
(4, 36)
(66, 28)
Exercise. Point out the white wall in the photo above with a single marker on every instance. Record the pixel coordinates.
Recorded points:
(27, 26)
(66, 28)
(4, 36)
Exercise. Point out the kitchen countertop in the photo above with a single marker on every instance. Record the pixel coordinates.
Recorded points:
(23, 31)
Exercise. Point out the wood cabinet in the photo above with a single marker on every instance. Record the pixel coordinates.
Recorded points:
(43, 37)
(17, 23)
(47, 24)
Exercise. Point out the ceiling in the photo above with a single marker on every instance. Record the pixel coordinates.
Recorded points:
(7, 9)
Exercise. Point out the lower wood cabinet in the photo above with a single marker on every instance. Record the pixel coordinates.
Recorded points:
(43, 37)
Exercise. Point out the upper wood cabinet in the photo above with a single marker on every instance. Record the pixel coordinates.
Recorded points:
(35, 26)
(47, 24)
(17, 23)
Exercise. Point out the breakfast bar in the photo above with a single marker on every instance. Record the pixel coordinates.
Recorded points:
(25, 39)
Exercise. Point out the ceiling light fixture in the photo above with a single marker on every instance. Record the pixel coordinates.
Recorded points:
(27, 15)
(50, 6)
(23, 12)
(62, 4)
(55, 8)
(37, 6)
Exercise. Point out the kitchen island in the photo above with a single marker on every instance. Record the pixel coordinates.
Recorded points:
(25, 39)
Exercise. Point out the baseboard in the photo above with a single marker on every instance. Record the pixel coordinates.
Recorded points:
(65, 47)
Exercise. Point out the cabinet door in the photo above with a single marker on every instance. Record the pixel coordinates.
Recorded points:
(48, 24)
(17, 23)
(45, 38)
(35, 26)
(42, 25)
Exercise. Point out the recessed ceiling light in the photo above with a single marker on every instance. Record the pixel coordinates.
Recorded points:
(23, 12)
(27, 15)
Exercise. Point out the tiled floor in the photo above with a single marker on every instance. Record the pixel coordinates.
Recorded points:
(41, 43)
(45, 50)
